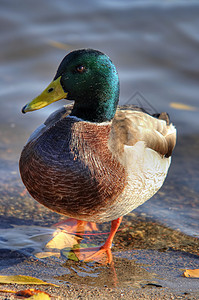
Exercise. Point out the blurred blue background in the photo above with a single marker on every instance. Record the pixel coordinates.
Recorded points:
(155, 47)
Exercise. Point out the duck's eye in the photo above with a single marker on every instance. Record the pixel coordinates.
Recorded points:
(50, 90)
(80, 69)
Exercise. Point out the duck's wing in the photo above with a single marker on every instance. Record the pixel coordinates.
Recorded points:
(51, 120)
(58, 115)
(132, 125)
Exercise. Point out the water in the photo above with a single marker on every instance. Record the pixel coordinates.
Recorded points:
(154, 46)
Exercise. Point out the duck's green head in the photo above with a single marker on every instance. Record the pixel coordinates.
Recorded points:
(89, 78)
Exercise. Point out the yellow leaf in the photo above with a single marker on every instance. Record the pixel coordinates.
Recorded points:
(191, 273)
(62, 239)
(7, 291)
(41, 296)
(21, 279)
(79, 252)
(182, 106)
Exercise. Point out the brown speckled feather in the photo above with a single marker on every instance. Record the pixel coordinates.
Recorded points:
(70, 169)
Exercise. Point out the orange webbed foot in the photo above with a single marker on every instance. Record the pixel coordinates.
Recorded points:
(102, 255)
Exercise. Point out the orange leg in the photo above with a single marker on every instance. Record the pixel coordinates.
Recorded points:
(114, 227)
(104, 252)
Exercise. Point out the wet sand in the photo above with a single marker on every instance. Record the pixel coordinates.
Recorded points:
(149, 260)
(83, 293)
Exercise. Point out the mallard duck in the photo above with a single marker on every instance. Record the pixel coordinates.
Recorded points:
(94, 161)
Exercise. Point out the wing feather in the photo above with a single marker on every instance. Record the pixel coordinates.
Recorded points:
(132, 125)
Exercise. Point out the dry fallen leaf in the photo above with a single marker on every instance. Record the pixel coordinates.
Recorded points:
(40, 297)
(33, 294)
(62, 240)
(191, 273)
(182, 106)
(30, 293)
(21, 279)
(82, 252)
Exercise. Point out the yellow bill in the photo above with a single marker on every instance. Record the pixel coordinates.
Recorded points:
(52, 93)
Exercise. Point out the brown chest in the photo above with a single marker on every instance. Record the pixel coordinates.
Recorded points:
(71, 170)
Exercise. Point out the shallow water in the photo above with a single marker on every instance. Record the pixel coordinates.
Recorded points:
(155, 49)
(143, 269)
